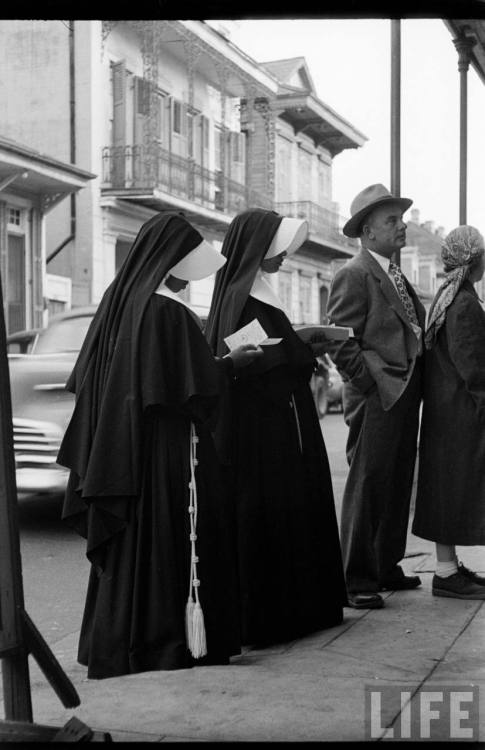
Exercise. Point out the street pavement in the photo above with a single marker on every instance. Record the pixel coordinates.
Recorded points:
(318, 688)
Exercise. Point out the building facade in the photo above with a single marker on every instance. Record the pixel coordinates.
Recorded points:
(31, 185)
(172, 115)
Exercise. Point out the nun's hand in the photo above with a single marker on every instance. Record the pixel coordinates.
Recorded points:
(318, 344)
(244, 355)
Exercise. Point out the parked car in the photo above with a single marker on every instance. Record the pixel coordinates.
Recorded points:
(40, 361)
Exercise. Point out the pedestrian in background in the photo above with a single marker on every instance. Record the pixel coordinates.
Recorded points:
(450, 507)
(270, 441)
(144, 486)
(381, 369)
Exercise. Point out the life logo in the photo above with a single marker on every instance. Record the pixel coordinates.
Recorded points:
(431, 712)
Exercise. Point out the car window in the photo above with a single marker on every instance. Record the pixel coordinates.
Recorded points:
(65, 335)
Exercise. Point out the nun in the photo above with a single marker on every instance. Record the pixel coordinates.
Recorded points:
(144, 487)
(271, 446)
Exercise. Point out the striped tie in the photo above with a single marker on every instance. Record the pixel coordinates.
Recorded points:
(403, 293)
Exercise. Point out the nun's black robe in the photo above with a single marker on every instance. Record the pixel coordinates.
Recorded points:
(270, 443)
(139, 582)
(290, 568)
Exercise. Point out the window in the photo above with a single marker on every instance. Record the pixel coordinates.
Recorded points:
(217, 148)
(204, 123)
(304, 175)
(324, 182)
(177, 117)
(14, 216)
(142, 96)
(283, 170)
(305, 299)
(284, 291)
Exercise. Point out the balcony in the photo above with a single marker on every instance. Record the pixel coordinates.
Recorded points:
(325, 226)
(161, 179)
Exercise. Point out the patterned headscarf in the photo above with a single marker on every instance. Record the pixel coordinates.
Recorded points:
(461, 249)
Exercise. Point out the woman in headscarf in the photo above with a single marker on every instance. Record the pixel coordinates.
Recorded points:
(450, 506)
(270, 442)
(144, 487)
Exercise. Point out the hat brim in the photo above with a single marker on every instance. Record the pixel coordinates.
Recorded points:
(352, 227)
(202, 261)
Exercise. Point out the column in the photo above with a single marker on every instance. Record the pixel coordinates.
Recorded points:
(464, 46)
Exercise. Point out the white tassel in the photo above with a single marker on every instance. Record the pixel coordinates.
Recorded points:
(199, 645)
(194, 617)
(189, 628)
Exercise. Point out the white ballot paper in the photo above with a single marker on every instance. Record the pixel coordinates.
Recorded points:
(252, 333)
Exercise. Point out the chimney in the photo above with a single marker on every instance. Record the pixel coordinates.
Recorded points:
(429, 226)
(415, 215)
(440, 232)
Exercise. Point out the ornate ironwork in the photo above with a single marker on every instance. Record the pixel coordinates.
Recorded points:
(246, 111)
(192, 53)
(106, 29)
(150, 43)
(263, 106)
(464, 46)
(323, 222)
(221, 70)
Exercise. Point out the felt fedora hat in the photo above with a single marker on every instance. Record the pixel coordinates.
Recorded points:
(365, 202)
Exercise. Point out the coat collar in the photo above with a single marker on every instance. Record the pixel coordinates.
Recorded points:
(389, 290)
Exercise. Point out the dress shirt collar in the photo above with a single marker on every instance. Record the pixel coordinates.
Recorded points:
(383, 262)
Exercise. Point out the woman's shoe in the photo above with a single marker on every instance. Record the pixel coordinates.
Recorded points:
(457, 586)
(471, 575)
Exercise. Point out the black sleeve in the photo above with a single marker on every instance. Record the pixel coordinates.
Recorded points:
(465, 332)
(178, 369)
(347, 307)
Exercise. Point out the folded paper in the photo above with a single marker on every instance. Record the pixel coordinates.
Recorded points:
(252, 333)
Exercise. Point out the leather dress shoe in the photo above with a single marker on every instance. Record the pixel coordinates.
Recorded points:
(365, 600)
(471, 575)
(402, 583)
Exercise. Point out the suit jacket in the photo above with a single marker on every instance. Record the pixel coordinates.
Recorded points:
(385, 347)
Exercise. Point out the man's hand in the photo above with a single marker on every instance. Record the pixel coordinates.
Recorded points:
(244, 355)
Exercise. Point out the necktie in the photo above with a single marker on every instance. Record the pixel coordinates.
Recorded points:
(403, 293)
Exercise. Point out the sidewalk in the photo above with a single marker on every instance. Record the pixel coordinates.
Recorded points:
(310, 689)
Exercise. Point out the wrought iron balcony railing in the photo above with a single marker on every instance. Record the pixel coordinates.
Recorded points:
(144, 168)
(323, 222)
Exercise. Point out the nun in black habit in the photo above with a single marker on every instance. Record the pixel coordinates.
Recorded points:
(144, 488)
(270, 443)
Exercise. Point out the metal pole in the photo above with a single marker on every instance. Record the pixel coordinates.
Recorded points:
(396, 114)
(464, 47)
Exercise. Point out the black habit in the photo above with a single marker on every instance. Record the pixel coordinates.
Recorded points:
(270, 441)
(144, 374)
(451, 481)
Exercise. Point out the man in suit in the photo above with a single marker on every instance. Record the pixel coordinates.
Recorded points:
(381, 369)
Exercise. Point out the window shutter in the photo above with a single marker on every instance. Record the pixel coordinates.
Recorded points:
(184, 120)
(138, 111)
(119, 103)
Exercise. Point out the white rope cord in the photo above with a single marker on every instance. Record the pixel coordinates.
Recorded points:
(295, 411)
(194, 617)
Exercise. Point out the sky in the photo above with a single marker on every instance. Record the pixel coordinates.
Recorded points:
(349, 61)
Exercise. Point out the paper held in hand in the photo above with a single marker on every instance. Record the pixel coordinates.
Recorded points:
(322, 333)
(252, 333)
